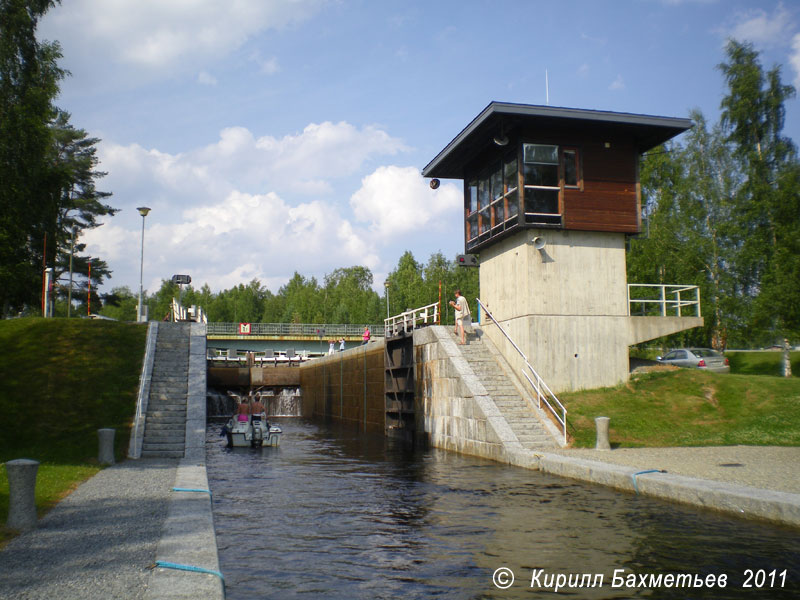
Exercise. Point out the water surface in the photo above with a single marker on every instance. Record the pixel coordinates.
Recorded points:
(333, 513)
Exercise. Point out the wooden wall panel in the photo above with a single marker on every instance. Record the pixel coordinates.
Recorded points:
(608, 200)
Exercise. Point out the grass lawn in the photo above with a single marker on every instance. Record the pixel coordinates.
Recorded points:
(687, 407)
(63, 380)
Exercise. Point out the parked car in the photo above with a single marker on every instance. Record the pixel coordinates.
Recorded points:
(697, 358)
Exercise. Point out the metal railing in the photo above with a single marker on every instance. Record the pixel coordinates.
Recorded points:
(135, 445)
(321, 331)
(652, 299)
(409, 320)
(542, 390)
(180, 313)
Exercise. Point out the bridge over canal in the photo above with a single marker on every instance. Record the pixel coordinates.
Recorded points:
(303, 339)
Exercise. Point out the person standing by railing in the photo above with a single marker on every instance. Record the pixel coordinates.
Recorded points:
(366, 335)
(463, 315)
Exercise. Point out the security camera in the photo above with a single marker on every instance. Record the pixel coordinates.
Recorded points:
(434, 183)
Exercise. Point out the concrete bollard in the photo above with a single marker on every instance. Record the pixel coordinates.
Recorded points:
(602, 433)
(106, 446)
(22, 493)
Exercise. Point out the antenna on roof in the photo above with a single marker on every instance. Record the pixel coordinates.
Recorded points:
(546, 88)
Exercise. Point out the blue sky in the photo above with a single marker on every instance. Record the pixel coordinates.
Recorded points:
(273, 136)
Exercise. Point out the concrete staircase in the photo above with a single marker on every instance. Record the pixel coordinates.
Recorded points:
(524, 423)
(165, 424)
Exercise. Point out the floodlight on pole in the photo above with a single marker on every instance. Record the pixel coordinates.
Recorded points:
(143, 210)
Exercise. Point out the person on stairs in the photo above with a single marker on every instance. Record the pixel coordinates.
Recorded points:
(463, 316)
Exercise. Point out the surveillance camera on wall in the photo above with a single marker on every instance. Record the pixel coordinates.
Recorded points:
(434, 184)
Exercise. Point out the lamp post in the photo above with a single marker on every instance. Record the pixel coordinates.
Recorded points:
(143, 210)
(71, 253)
(386, 285)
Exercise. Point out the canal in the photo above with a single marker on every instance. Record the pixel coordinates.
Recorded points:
(334, 513)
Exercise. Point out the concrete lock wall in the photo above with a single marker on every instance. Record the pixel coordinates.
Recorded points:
(452, 409)
(564, 305)
(346, 386)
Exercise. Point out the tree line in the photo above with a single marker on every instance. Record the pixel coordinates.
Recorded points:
(345, 295)
(721, 211)
(47, 169)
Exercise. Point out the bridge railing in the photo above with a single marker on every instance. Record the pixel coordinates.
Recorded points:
(411, 319)
(323, 331)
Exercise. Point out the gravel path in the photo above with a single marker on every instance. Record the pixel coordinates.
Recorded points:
(764, 467)
(96, 543)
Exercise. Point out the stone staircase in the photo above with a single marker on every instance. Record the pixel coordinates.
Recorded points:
(165, 424)
(524, 423)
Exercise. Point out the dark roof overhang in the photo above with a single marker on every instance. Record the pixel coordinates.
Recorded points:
(647, 131)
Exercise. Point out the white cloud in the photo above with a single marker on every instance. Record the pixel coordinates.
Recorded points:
(583, 70)
(395, 201)
(617, 84)
(270, 67)
(206, 78)
(236, 239)
(759, 27)
(794, 59)
(162, 36)
(302, 163)
(249, 207)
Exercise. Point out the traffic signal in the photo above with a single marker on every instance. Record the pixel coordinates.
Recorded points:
(467, 260)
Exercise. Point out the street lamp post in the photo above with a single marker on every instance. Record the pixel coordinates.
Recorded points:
(143, 210)
(71, 253)
(386, 285)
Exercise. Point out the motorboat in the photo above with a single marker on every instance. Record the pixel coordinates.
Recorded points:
(251, 430)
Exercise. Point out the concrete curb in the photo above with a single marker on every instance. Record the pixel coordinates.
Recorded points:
(743, 501)
(188, 539)
(195, 440)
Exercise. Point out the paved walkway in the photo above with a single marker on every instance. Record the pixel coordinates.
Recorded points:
(763, 467)
(98, 543)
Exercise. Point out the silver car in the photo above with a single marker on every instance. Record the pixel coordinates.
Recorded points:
(697, 358)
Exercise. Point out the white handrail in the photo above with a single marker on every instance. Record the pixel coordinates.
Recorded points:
(135, 445)
(543, 391)
(669, 298)
(407, 321)
(182, 313)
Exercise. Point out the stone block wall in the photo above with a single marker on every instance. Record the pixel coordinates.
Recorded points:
(453, 409)
(346, 386)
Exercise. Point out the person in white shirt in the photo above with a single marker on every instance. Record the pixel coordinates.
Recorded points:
(461, 307)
